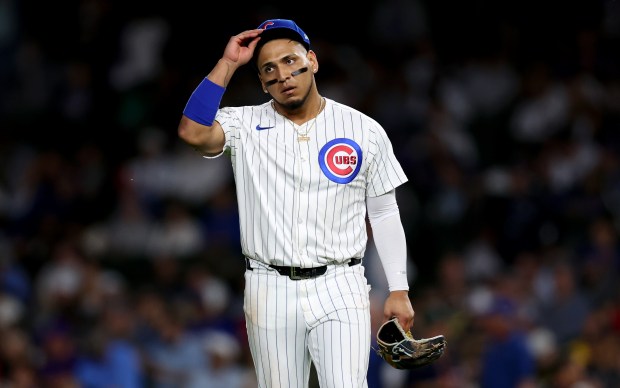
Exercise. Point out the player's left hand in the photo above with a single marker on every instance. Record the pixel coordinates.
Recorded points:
(398, 305)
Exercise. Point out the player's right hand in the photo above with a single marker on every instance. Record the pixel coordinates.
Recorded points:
(240, 47)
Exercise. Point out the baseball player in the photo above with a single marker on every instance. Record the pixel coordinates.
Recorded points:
(307, 172)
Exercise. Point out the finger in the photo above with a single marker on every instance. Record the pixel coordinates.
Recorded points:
(406, 323)
(249, 34)
(253, 43)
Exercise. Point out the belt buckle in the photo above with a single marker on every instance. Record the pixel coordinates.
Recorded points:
(294, 276)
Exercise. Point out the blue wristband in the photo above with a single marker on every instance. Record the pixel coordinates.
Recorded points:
(204, 102)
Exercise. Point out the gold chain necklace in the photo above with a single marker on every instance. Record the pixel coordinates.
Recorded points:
(303, 136)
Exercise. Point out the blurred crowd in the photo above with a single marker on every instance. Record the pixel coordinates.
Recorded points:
(120, 262)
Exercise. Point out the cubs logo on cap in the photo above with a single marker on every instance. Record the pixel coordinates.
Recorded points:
(280, 28)
(340, 160)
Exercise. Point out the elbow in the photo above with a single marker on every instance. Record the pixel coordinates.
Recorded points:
(186, 131)
(183, 129)
(202, 138)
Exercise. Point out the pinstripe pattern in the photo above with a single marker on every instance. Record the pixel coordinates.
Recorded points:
(290, 212)
(327, 317)
(303, 204)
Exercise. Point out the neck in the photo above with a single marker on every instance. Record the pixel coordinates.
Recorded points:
(299, 115)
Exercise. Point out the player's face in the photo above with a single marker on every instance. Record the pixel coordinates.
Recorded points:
(286, 71)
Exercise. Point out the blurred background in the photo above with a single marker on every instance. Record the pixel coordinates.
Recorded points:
(120, 262)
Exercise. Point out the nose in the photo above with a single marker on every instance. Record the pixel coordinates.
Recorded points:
(282, 75)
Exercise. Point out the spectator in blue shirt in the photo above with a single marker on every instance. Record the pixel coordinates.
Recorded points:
(507, 362)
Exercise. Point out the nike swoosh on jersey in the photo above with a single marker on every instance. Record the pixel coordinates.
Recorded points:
(259, 128)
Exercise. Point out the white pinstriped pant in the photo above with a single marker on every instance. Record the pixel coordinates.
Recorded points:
(325, 320)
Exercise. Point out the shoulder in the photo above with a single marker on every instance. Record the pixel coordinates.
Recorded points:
(245, 109)
(238, 117)
(339, 109)
(336, 106)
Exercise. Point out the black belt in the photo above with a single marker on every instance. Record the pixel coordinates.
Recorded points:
(298, 273)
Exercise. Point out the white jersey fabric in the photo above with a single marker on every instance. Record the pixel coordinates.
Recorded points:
(303, 203)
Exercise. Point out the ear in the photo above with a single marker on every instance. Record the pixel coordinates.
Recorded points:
(314, 63)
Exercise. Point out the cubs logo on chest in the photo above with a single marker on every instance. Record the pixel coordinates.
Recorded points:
(340, 160)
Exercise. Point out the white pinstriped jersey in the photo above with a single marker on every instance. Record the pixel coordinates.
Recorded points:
(303, 203)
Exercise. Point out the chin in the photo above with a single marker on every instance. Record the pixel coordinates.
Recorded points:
(292, 104)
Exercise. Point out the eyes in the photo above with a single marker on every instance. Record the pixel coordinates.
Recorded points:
(287, 61)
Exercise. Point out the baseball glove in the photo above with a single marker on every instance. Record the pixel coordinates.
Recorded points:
(402, 351)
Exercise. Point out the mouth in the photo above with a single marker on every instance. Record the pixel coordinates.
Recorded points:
(288, 91)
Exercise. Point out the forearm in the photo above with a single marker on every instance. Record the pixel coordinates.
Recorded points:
(198, 127)
(389, 238)
(222, 72)
(204, 102)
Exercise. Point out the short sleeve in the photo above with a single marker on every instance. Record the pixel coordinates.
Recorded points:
(385, 171)
(231, 125)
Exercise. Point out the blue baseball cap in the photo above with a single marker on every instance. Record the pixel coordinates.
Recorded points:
(282, 28)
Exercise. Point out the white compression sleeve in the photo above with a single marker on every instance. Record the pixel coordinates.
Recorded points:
(389, 238)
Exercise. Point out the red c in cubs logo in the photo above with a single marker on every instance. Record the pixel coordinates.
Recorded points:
(340, 160)
(341, 155)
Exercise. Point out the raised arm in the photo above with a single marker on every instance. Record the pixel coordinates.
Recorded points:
(198, 127)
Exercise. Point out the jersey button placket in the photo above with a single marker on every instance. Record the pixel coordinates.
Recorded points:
(302, 200)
